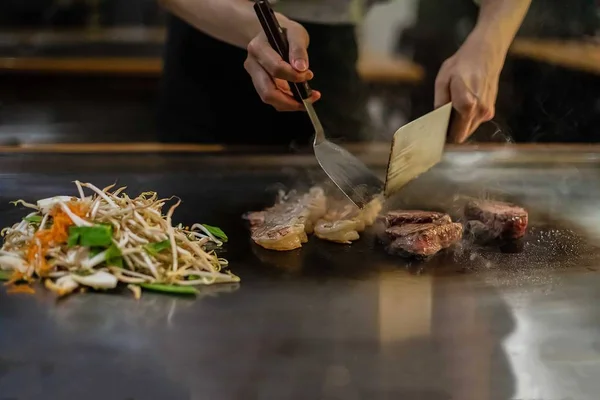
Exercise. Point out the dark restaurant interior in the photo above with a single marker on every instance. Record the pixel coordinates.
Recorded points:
(262, 276)
(90, 71)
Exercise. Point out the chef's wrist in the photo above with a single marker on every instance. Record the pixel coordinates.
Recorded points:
(490, 37)
(499, 21)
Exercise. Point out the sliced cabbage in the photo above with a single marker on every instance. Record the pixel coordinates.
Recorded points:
(97, 280)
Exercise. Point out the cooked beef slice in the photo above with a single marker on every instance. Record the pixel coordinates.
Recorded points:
(498, 220)
(422, 240)
(400, 217)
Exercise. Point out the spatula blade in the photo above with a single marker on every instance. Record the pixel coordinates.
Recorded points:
(349, 174)
(416, 147)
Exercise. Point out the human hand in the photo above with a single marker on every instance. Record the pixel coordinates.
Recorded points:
(270, 73)
(469, 79)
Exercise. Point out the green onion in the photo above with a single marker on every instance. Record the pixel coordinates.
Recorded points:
(173, 289)
(5, 275)
(154, 248)
(90, 236)
(34, 219)
(216, 232)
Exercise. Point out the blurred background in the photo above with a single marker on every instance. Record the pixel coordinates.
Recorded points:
(82, 71)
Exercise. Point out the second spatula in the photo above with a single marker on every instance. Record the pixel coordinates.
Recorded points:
(349, 174)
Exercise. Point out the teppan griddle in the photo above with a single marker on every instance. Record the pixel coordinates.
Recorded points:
(326, 321)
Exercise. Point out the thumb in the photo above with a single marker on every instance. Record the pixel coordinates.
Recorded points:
(298, 44)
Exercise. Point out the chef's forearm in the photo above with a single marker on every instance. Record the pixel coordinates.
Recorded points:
(232, 21)
(499, 21)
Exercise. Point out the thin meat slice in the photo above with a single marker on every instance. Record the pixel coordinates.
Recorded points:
(496, 219)
(285, 225)
(422, 240)
(344, 231)
(343, 221)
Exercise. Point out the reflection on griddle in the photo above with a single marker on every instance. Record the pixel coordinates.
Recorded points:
(287, 261)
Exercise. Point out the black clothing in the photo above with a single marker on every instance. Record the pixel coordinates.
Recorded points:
(207, 96)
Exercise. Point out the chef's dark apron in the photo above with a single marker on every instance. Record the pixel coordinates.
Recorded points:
(207, 96)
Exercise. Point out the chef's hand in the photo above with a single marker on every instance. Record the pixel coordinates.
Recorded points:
(270, 74)
(469, 79)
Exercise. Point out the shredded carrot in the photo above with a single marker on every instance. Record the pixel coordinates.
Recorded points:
(58, 233)
(15, 277)
(21, 289)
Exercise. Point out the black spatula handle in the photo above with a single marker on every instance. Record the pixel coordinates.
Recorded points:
(278, 40)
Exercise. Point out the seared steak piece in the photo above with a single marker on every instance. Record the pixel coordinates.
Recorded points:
(497, 220)
(421, 234)
(422, 240)
(400, 217)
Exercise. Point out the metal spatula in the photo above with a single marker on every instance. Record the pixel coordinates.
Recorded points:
(353, 178)
(417, 147)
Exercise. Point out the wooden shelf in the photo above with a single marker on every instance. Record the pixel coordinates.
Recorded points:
(386, 69)
(78, 36)
(373, 68)
(75, 65)
(578, 55)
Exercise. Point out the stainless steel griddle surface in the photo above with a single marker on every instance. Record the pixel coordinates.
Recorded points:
(326, 321)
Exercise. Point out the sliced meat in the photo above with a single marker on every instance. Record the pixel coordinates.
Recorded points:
(422, 240)
(343, 221)
(287, 224)
(282, 237)
(498, 220)
(400, 217)
(344, 231)
(255, 218)
(284, 226)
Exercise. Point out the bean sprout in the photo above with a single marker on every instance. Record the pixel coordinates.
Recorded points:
(144, 248)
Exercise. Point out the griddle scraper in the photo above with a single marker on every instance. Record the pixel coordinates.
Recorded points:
(353, 178)
(416, 148)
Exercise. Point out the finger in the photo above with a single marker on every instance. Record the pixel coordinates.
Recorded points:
(284, 86)
(298, 42)
(460, 129)
(486, 108)
(484, 111)
(465, 103)
(268, 90)
(463, 100)
(442, 90)
(261, 50)
(315, 96)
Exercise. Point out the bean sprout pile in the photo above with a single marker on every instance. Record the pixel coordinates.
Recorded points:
(107, 238)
